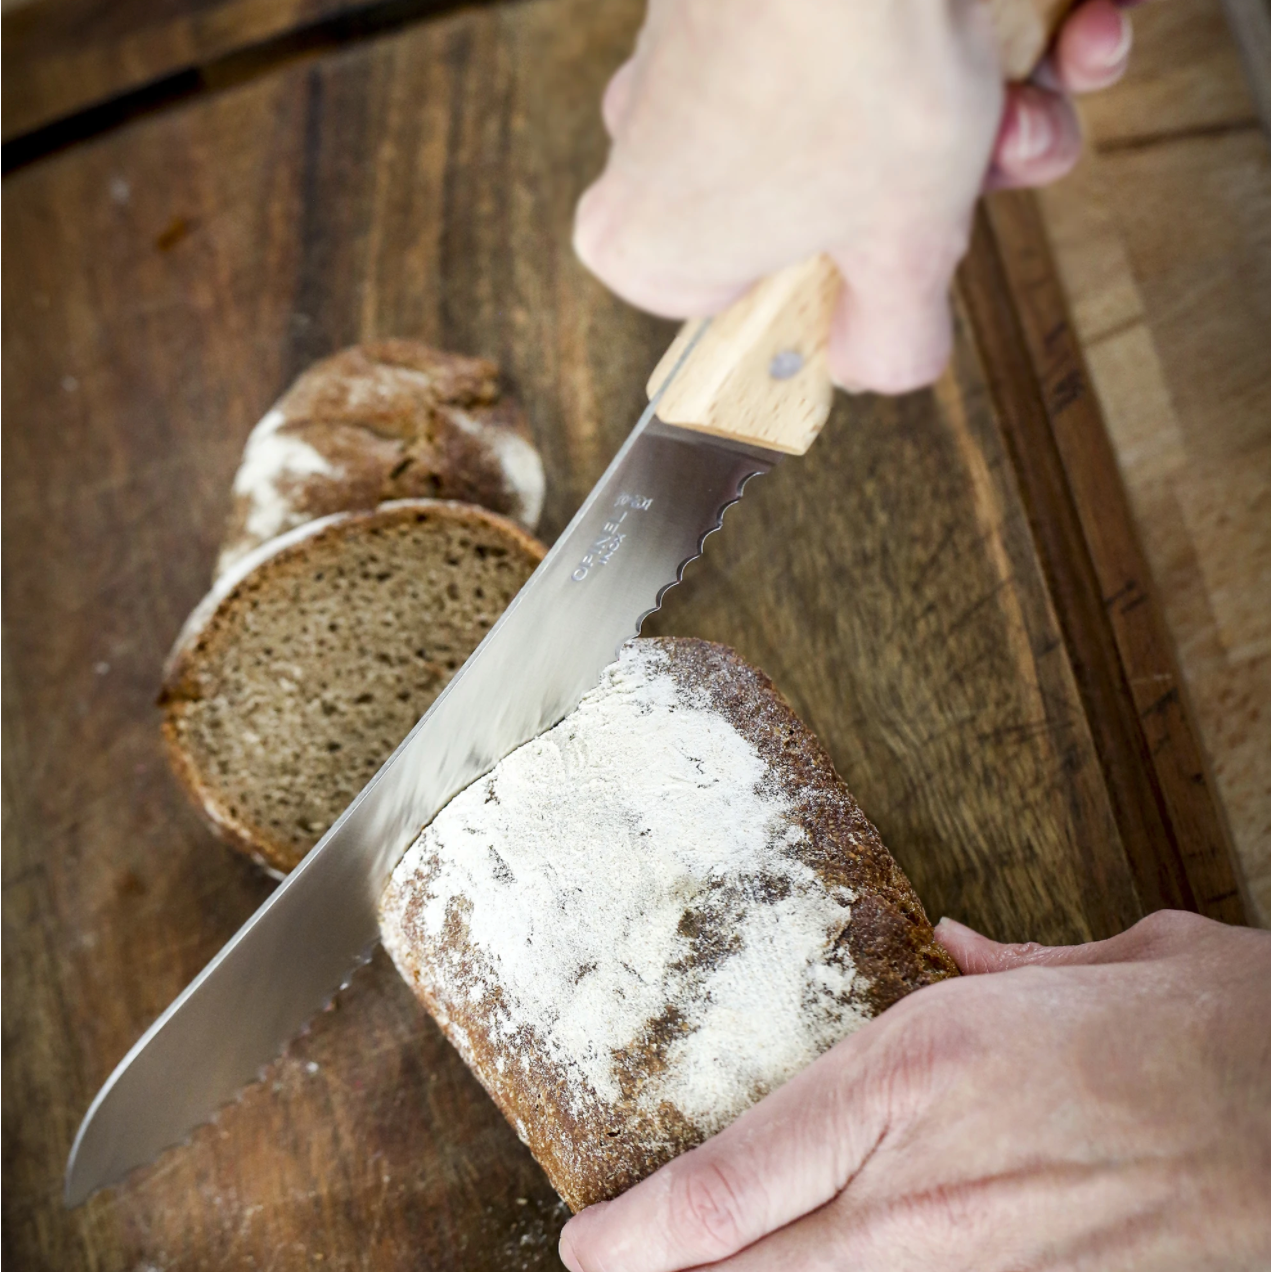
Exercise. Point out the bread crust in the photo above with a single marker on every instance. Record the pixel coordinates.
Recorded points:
(386, 420)
(890, 937)
(596, 1153)
(181, 683)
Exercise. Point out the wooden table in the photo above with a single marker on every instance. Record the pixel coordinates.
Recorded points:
(947, 587)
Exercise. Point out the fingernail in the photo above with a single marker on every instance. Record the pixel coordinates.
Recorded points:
(1116, 55)
(1031, 137)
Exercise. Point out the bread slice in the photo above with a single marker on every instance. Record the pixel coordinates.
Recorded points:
(310, 661)
(642, 921)
(393, 419)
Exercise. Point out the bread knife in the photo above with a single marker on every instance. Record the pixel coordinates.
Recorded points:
(729, 398)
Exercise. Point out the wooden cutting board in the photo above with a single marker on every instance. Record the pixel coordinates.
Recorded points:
(946, 587)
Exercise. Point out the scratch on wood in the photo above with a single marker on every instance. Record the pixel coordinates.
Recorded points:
(989, 516)
(1168, 699)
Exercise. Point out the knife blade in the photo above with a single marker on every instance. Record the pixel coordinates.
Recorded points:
(664, 492)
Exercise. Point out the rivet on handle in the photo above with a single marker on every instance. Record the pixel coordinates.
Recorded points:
(786, 364)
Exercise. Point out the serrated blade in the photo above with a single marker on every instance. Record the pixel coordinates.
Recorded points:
(644, 521)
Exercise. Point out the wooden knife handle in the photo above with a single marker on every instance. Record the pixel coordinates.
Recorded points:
(758, 372)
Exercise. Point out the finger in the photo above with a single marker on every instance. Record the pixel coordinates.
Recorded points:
(617, 96)
(1152, 936)
(950, 1226)
(941, 1217)
(976, 954)
(1093, 47)
(784, 1157)
(1039, 139)
(634, 264)
(891, 330)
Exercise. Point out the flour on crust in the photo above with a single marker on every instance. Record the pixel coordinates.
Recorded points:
(387, 420)
(627, 927)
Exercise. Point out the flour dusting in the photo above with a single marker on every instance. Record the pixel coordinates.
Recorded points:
(624, 899)
(519, 463)
(271, 458)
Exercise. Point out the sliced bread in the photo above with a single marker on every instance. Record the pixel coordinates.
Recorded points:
(393, 419)
(315, 655)
(640, 922)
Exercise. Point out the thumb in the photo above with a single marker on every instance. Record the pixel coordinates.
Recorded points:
(891, 331)
(784, 1157)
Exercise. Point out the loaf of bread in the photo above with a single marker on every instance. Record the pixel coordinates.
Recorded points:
(393, 419)
(314, 656)
(640, 922)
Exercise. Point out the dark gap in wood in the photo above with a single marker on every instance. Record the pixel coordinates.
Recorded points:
(1117, 329)
(62, 133)
(1199, 132)
(307, 337)
(454, 300)
(226, 71)
(1143, 820)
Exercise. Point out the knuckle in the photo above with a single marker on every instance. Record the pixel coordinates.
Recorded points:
(945, 1211)
(938, 110)
(592, 236)
(603, 231)
(707, 1209)
(910, 257)
(917, 1043)
(1169, 927)
(617, 95)
(914, 1228)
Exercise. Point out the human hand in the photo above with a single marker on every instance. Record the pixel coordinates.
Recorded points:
(1097, 1106)
(750, 134)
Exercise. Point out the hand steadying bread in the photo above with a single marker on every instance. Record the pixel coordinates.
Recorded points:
(1103, 1106)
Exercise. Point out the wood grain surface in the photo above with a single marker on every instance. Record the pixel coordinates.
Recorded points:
(1096, 574)
(61, 57)
(1160, 238)
(1197, 872)
(165, 281)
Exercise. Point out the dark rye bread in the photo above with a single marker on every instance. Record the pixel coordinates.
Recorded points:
(644, 920)
(391, 419)
(307, 664)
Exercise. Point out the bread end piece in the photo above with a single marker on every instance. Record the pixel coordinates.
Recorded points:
(387, 420)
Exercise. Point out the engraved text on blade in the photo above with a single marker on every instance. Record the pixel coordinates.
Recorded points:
(613, 532)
